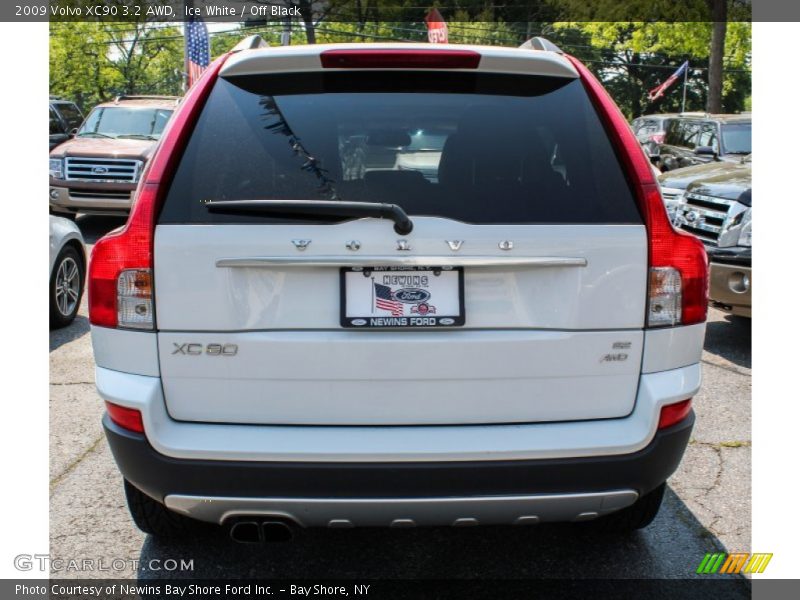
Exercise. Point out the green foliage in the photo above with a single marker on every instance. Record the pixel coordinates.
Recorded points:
(461, 30)
(92, 62)
(633, 58)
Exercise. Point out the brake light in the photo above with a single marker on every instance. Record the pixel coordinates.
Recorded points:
(121, 267)
(400, 58)
(678, 281)
(674, 413)
(127, 418)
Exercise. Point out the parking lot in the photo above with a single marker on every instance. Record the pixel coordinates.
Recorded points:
(707, 507)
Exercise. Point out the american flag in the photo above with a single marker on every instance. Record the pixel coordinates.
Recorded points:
(384, 300)
(198, 54)
(659, 90)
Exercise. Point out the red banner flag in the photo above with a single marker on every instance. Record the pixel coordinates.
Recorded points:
(437, 28)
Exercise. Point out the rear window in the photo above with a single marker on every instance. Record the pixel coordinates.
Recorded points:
(478, 148)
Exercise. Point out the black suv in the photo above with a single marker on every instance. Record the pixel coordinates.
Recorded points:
(696, 139)
(65, 117)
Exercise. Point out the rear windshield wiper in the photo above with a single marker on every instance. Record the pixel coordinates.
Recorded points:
(328, 208)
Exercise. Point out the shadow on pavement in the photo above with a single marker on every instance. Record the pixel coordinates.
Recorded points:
(78, 328)
(730, 339)
(671, 547)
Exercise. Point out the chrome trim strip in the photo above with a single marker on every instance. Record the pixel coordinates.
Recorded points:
(400, 261)
(383, 512)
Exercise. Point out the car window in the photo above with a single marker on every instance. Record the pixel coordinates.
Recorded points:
(689, 134)
(737, 138)
(55, 124)
(123, 121)
(707, 136)
(674, 134)
(480, 148)
(71, 115)
(650, 127)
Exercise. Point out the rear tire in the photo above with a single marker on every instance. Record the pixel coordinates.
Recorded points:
(156, 519)
(66, 287)
(636, 516)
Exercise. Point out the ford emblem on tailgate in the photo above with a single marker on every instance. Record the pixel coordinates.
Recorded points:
(411, 295)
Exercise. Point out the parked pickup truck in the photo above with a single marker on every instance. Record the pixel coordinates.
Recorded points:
(97, 170)
(714, 202)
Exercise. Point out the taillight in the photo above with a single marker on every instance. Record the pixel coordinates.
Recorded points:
(674, 413)
(678, 281)
(121, 292)
(127, 418)
(658, 138)
(135, 299)
(399, 58)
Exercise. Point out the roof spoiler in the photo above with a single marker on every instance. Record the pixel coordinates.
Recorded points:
(540, 43)
(250, 43)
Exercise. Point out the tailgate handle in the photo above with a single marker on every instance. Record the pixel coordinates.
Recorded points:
(401, 261)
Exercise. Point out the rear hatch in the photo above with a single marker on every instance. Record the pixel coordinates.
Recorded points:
(519, 295)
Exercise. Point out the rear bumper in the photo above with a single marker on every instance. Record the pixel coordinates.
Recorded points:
(400, 493)
(397, 444)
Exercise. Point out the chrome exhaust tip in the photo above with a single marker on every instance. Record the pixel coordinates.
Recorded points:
(276, 531)
(246, 532)
(258, 532)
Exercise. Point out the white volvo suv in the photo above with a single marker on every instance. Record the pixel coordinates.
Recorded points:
(301, 325)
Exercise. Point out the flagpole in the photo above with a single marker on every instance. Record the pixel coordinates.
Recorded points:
(685, 78)
(186, 5)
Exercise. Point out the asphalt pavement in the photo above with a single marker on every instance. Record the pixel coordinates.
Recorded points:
(706, 508)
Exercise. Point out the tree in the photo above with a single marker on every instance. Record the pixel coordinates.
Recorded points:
(719, 17)
(632, 58)
(92, 62)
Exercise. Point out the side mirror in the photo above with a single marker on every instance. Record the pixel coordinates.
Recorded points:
(705, 151)
(73, 132)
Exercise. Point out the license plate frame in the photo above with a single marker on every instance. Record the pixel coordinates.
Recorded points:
(385, 319)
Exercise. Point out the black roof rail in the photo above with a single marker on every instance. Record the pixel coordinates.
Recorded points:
(540, 43)
(250, 43)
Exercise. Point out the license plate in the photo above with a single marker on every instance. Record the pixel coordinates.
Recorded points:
(415, 297)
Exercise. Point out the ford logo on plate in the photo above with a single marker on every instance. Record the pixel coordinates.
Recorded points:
(358, 322)
(446, 321)
(411, 295)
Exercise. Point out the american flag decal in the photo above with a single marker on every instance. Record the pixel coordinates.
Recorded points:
(198, 54)
(384, 300)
